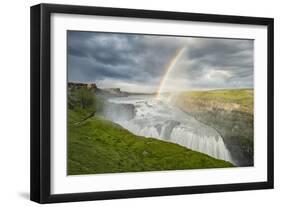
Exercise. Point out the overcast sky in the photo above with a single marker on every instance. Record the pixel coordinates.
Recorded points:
(137, 63)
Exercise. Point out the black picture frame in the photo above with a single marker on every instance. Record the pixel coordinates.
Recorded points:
(40, 184)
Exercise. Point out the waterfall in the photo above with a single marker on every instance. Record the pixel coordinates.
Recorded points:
(157, 119)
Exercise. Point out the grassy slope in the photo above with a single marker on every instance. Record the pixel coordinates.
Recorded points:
(100, 146)
(242, 97)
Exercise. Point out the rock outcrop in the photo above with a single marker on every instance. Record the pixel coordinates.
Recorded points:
(74, 85)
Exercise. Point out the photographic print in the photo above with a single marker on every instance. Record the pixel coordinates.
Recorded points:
(130, 103)
(140, 102)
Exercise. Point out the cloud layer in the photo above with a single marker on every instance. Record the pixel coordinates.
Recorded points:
(138, 62)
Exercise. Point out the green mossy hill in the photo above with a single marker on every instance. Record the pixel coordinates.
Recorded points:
(235, 99)
(100, 146)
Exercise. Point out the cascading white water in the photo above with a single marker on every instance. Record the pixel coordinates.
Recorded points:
(155, 118)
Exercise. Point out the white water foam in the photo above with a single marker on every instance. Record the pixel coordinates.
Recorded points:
(158, 119)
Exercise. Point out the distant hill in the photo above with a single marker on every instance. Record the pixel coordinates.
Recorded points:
(227, 99)
(94, 88)
(103, 91)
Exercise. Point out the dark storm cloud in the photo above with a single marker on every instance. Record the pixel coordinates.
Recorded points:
(224, 52)
(229, 58)
(102, 55)
(142, 59)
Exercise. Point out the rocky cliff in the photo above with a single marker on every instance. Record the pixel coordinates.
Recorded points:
(230, 112)
(94, 88)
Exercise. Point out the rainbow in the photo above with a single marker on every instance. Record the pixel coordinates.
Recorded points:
(168, 70)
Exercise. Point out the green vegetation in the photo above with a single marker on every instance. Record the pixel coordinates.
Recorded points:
(242, 97)
(84, 99)
(100, 146)
(96, 145)
(81, 99)
(230, 112)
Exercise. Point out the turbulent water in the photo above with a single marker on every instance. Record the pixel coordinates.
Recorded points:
(159, 119)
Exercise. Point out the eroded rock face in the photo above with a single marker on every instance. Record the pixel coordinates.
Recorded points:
(231, 120)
